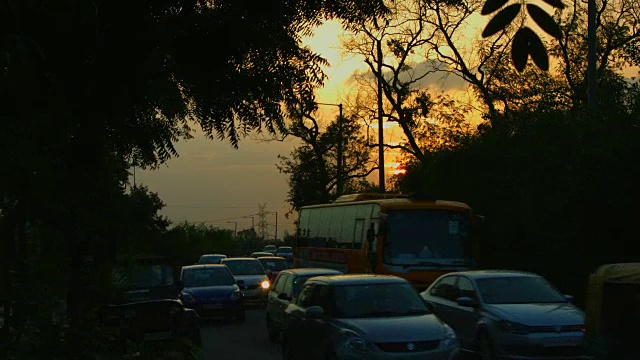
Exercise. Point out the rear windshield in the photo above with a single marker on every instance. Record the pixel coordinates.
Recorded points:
(285, 250)
(245, 267)
(207, 277)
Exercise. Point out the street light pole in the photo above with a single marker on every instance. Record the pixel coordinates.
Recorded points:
(380, 123)
(339, 176)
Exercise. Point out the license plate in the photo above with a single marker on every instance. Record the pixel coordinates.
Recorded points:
(164, 335)
(561, 341)
(212, 306)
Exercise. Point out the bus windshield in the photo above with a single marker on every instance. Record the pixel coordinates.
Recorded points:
(426, 236)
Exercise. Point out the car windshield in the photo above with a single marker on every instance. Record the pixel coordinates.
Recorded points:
(143, 276)
(377, 300)
(207, 277)
(274, 264)
(518, 290)
(245, 267)
(420, 237)
(283, 250)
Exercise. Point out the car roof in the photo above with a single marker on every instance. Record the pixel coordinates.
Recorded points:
(269, 246)
(312, 271)
(261, 252)
(272, 258)
(213, 255)
(239, 258)
(203, 266)
(285, 247)
(484, 274)
(359, 279)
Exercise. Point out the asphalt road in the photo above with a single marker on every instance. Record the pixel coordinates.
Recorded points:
(233, 340)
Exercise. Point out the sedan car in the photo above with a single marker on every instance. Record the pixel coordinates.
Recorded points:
(251, 277)
(211, 291)
(259, 254)
(508, 314)
(273, 265)
(211, 258)
(364, 317)
(285, 290)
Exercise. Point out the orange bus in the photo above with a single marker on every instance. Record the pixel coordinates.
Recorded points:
(415, 238)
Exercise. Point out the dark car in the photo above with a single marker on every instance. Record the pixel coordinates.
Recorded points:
(211, 258)
(270, 249)
(145, 305)
(212, 291)
(273, 265)
(285, 291)
(364, 316)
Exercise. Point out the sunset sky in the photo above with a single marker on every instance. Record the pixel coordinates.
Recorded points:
(213, 183)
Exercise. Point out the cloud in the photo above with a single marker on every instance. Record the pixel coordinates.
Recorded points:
(441, 79)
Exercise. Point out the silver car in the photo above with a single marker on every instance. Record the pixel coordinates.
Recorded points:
(508, 314)
(251, 277)
(359, 316)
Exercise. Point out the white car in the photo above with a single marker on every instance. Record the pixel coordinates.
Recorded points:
(508, 314)
(251, 277)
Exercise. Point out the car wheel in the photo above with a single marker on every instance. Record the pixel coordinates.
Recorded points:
(485, 347)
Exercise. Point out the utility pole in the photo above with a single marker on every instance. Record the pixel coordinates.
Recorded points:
(339, 150)
(235, 231)
(380, 120)
(592, 81)
(275, 237)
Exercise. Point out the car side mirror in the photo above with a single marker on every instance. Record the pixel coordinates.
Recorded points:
(467, 302)
(240, 282)
(314, 313)
(283, 296)
(569, 298)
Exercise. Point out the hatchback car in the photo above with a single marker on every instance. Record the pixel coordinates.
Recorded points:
(211, 258)
(364, 317)
(251, 277)
(508, 314)
(273, 265)
(211, 291)
(285, 291)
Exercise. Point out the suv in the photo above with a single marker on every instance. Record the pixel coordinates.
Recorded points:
(284, 292)
(270, 249)
(145, 305)
(285, 252)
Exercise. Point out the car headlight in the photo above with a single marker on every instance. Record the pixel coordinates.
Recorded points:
(514, 327)
(355, 343)
(265, 284)
(188, 298)
(450, 339)
(236, 295)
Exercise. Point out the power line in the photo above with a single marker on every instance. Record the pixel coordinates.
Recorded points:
(218, 207)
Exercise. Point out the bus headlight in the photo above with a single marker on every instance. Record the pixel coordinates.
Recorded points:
(265, 284)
